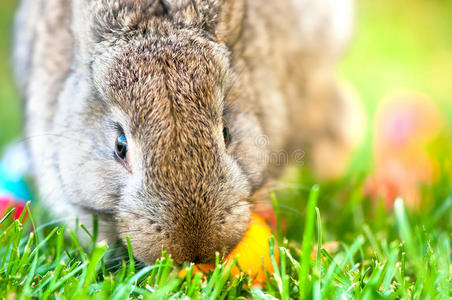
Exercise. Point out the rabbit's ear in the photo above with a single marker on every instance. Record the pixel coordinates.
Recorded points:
(223, 18)
(81, 28)
(230, 19)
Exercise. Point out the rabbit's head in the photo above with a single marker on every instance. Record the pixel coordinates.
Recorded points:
(167, 151)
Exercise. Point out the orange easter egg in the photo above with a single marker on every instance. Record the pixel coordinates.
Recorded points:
(253, 253)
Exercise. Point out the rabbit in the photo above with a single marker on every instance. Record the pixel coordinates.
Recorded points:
(161, 116)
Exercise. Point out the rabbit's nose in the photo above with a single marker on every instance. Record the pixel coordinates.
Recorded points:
(196, 257)
(194, 251)
(205, 257)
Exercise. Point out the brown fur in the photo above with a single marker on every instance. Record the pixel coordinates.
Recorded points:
(172, 74)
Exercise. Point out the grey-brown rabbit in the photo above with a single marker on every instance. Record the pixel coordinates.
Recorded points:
(161, 116)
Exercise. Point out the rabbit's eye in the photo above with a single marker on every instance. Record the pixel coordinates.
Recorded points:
(121, 147)
(226, 136)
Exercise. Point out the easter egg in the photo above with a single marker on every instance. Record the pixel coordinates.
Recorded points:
(252, 252)
(7, 203)
(405, 131)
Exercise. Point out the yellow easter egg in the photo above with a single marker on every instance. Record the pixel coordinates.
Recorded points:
(253, 253)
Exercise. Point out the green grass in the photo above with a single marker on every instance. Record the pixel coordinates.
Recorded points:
(381, 254)
(398, 254)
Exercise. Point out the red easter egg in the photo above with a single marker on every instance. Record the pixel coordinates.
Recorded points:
(7, 202)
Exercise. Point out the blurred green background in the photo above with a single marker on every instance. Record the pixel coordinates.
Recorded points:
(398, 45)
(10, 111)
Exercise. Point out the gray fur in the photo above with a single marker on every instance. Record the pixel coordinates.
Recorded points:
(172, 73)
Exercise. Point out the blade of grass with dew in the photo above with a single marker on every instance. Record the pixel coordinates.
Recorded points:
(284, 288)
(307, 242)
(318, 257)
(224, 277)
(336, 267)
(131, 267)
(406, 235)
(215, 275)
